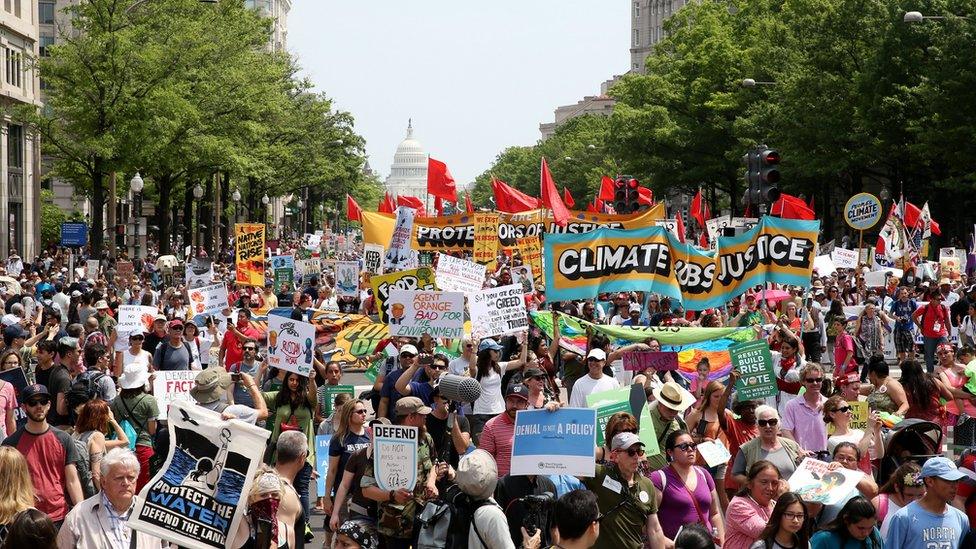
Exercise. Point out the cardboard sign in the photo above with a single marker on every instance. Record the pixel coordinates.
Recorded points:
(135, 316)
(813, 481)
(714, 453)
(950, 265)
(208, 300)
(308, 268)
(671, 225)
(199, 497)
(170, 386)
(395, 456)
(414, 279)
(755, 364)
(458, 275)
(249, 251)
(413, 313)
(322, 461)
(554, 443)
(123, 273)
(485, 237)
(498, 311)
(347, 278)
(199, 272)
(524, 276)
(290, 344)
(91, 268)
(283, 269)
(844, 259)
(373, 258)
(638, 361)
(399, 254)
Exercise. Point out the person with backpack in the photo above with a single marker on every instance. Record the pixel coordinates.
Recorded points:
(477, 476)
(135, 407)
(174, 353)
(94, 419)
(95, 380)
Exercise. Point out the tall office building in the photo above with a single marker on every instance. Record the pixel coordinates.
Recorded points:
(647, 27)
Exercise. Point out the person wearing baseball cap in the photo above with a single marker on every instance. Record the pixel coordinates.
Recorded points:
(389, 396)
(595, 381)
(174, 353)
(625, 526)
(931, 521)
(490, 371)
(106, 324)
(499, 432)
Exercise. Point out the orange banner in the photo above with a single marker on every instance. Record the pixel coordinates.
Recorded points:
(249, 246)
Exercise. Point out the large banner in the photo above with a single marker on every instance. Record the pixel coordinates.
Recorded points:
(554, 443)
(650, 259)
(413, 313)
(290, 344)
(249, 250)
(399, 253)
(208, 300)
(199, 497)
(414, 279)
(498, 311)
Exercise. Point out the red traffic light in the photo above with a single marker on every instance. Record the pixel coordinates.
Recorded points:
(769, 157)
(632, 183)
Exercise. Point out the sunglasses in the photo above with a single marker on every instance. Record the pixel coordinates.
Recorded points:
(843, 409)
(359, 412)
(768, 422)
(37, 402)
(439, 366)
(686, 446)
(250, 348)
(814, 380)
(635, 451)
(538, 378)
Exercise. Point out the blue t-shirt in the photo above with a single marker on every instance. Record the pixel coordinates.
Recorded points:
(344, 449)
(902, 312)
(830, 540)
(423, 391)
(389, 389)
(912, 527)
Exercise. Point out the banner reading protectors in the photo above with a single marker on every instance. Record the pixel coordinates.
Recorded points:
(755, 366)
(650, 259)
(458, 275)
(347, 278)
(395, 456)
(555, 443)
(290, 344)
(413, 313)
(199, 496)
(170, 386)
(208, 300)
(283, 268)
(249, 249)
(498, 311)
(414, 279)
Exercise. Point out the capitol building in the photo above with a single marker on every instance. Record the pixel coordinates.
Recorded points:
(408, 174)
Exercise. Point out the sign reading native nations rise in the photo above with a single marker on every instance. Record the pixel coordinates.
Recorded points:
(290, 345)
(649, 259)
(458, 275)
(208, 300)
(249, 252)
(414, 279)
(554, 443)
(498, 311)
(414, 313)
(395, 456)
(198, 498)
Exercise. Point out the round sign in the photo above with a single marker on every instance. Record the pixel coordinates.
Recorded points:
(862, 211)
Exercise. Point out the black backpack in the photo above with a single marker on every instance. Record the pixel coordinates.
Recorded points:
(86, 385)
(444, 523)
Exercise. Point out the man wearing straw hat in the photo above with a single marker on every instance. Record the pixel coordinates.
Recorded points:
(670, 402)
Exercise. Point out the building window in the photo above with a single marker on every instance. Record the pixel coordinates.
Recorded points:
(14, 67)
(44, 43)
(46, 12)
(637, 37)
(15, 146)
(636, 10)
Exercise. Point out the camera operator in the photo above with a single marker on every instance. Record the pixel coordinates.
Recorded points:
(477, 476)
(577, 520)
(528, 501)
(451, 432)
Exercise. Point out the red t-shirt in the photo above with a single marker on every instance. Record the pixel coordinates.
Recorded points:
(234, 348)
(935, 320)
(47, 455)
(737, 434)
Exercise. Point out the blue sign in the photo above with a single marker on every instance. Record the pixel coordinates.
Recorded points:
(555, 443)
(322, 461)
(74, 235)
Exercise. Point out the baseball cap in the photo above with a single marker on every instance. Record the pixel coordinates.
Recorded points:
(174, 324)
(635, 308)
(33, 390)
(137, 332)
(14, 331)
(622, 441)
(533, 371)
(489, 343)
(941, 467)
(598, 354)
(159, 317)
(408, 348)
(75, 293)
(519, 390)
(411, 405)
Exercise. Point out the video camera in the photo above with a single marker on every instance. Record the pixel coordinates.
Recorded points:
(537, 508)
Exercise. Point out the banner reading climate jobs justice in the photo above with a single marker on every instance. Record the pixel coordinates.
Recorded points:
(652, 260)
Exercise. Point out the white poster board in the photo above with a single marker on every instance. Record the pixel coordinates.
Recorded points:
(815, 482)
(135, 316)
(413, 313)
(208, 300)
(458, 275)
(498, 311)
(290, 344)
(399, 254)
(844, 258)
(395, 456)
(373, 258)
(347, 278)
(170, 386)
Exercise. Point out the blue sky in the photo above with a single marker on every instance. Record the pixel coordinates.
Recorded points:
(475, 77)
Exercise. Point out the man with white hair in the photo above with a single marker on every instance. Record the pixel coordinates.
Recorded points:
(99, 522)
(291, 451)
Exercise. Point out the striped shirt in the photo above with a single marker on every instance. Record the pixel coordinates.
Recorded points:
(496, 439)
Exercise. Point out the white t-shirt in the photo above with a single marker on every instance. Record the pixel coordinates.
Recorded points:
(586, 385)
(143, 359)
(491, 400)
(492, 527)
(459, 366)
(206, 343)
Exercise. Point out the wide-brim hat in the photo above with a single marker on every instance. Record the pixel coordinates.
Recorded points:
(210, 384)
(134, 377)
(477, 474)
(674, 396)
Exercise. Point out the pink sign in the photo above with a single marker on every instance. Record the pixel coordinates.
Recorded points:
(639, 361)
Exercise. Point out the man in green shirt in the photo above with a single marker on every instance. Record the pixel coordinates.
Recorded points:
(627, 500)
(670, 402)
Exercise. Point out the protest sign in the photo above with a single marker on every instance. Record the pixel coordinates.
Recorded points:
(249, 252)
(652, 260)
(347, 278)
(554, 443)
(199, 497)
(91, 268)
(283, 269)
(824, 266)
(498, 311)
(322, 461)
(373, 258)
(485, 237)
(670, 224)
(950, 264)
(124, 270)
(415, 312)
(399, 254)
(815, 482)
(844, 258)
(414, 279)
(859, 416)
(744, 223)
(208, 300)
(135, 316)
(290, 344)
(714, 452)
(862, 211)
(607, 403)
(646, 433)
(524, 276)
(638, 361)
(395, 456)
(458, 275)
(170, 386)
(716, 225)
(199, 272)
(755, 365)
(327, 394)
(308, 268)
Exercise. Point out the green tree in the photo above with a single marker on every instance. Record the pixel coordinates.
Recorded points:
(51, 219)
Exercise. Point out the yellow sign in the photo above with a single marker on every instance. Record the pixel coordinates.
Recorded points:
(485, 238)
(531, 252)
(249, 245)
(414, 279)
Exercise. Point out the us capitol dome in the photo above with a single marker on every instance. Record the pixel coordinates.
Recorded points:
(408, 174)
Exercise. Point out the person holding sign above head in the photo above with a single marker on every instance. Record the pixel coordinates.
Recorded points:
(670, 402)
(489, 372)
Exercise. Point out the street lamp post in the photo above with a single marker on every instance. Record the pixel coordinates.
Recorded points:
(136, 184)
(236, 197)
(752, 83)
(917, 17)
(301, 216)
(265, 200)
(197, 194)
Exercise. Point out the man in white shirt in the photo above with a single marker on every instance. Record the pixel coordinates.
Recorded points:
(594, 381)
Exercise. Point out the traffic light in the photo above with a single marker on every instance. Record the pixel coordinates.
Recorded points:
(626, 196)
(762, 176)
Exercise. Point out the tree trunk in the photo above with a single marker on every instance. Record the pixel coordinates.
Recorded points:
(206, 214)
(163, 215)
(188, 214)
(224, 217)
(97, 233)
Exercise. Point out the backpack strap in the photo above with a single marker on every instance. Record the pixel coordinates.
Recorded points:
(664, 480)
(132, 417)
(474, 522)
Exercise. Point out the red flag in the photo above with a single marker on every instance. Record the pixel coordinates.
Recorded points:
(811, 202)
(681, 228)
(646, 196)
(511, 200)
(412, 202)
(912, 214)
(439, 206)
(550, 196)
(440, 182)
(568, 198)
(387, 205)
(468, 206)
(353, 211)
(591, 207)
(703, 239)
(606, 189)
(791, 207)
(699, 209)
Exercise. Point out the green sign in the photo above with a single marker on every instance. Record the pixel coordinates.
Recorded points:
(329, 393)
(755, 365)
(608, 403)
(283, 276)
(646, 433)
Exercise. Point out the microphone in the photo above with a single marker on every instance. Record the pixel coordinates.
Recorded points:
(459, 388)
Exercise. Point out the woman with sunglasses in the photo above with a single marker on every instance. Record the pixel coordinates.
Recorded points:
(688, 489)
(845, 456)
(789, 525)
(837, 413)
(768, 446)
(854, 528)
(350, 436)
(135, 355)
(749, 511)
(489, 370)
(904, 486)
(293, 408)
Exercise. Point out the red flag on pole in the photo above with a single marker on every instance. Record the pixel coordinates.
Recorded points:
(439, 206)
(412, 202)
(912, 214)
(353, 211)
(387, 205)
(550, 196)
(699, 209)
(681, 227)
(645, 196)
(468, 206)
(791, 207)
(568, 198)
(511, 200)
(440, 182)
(606, 188)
